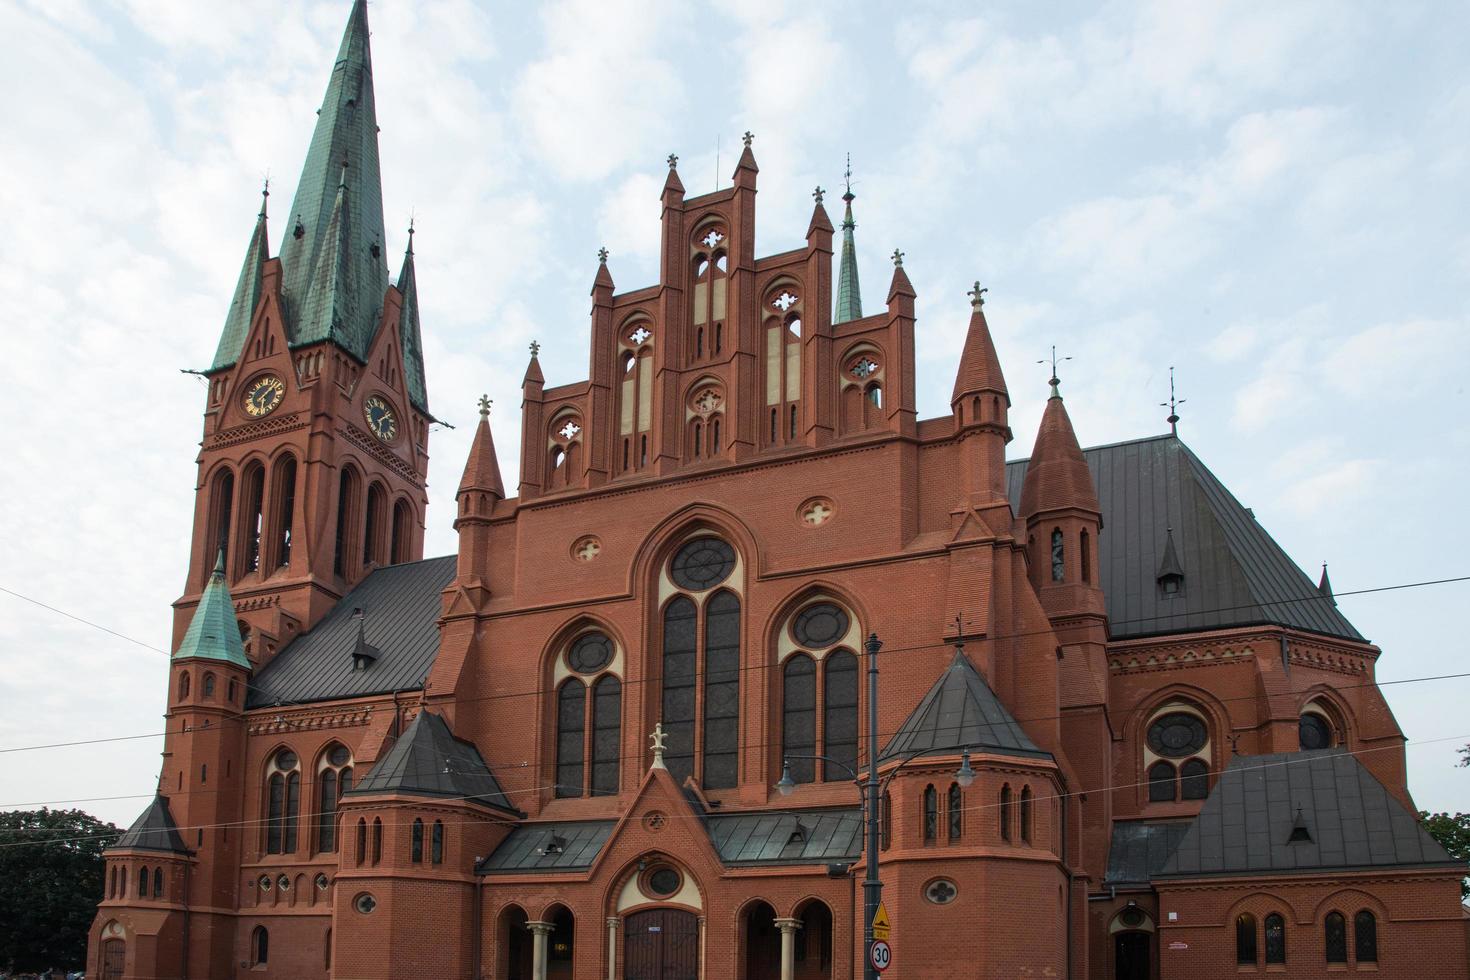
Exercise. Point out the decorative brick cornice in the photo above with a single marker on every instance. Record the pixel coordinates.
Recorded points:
(272, 426)
(375, 449)
(1180, 655)
(285, 719)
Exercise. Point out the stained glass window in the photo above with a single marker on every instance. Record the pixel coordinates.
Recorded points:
(721, 689)
(590, 652)
(1313, 732)
(931, 814)
(840, 714)
(1365, 936)
(607, 713)
(956, 805)
(1161, 787)
(1177, 735)
(702, 564)
(1194, 780)
(1275, 938)
(819, 626)
(571, 725)
(678, 687)
(799, 717)
(1335, 937)
(1058, 566)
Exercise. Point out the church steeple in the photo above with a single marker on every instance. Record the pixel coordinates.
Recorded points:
(409, 333)
(343, 230)
(247, 292)
(214, 632)
(849, 295)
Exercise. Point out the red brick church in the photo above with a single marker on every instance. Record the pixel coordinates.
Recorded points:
(1123, 735)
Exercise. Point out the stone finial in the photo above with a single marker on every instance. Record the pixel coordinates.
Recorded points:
(602, 255)
(818, 194)
(535, 347)
(656, 741)
(673, 160)
(747, 138)
(485, 403)
(897, 259)
(977, 296)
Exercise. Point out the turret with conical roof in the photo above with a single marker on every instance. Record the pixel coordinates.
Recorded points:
(247, 291)
(849, 294)
(214, 632)
(981, 406)
(409, 332)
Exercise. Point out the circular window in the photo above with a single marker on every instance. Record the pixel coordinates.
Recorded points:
(1313, 732)
(321, 882)
(1177, 734)
(941, 891)
(339, 755)
(663, 882)
(590, 652)
(285, 759)
(265, 883)
(702, 564)
(365, 903)
(1132, 917)
(820, 626)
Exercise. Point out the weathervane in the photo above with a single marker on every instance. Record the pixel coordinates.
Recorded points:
(1173, 405)
(1055, 381)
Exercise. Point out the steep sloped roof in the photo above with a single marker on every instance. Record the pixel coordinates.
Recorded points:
(401, 606)
(428, 760)
(791, 837)
(960, 711)
(1140, 848)
(214, 631)
(570, 845)
(1353, 822)
(1234, 573)
(154, 830)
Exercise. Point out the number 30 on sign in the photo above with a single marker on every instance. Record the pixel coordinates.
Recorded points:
(881, 955)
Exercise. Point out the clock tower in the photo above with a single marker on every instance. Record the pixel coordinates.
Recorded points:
(315, 447)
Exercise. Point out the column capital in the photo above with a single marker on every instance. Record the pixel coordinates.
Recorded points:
(788, 925)
(541, 928)
(613, 921)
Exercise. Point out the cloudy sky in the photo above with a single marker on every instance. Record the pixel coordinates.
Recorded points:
(1269, 196)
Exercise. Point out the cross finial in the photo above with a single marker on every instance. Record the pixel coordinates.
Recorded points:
(977, 296)
(485, 403)
(847, 180)
(897, 259)
(673, 160)
(818, 194)
(747, 138)
(1173, 405)
(602, 255)
(535, 347)
(1055, 381)
(265, 193)
(656, 741)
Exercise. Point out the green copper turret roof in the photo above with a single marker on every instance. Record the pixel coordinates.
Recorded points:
(247, 294)
(849, 296)
(409, 335)
(214, 632)
(326, 227)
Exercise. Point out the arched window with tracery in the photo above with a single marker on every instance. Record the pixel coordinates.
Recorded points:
(956, 811)
(783, 332)
(283, 509)
(348, 488)
(931, 814)
(252, 518)
(401, 537)
(1176, 753)
(564, 449)
(221, 505)
(334, 777)
(700, 663)
(372, 531)
(571, 733)
(635, 391)
(704, 417)
(709, 257)
(589, 729)
(283, 802)
(819, 691)
(1275, 938)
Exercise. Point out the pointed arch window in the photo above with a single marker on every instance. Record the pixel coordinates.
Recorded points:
(1058, 562)
(1194, 780)
(589, 729)
(361, 842)
(956, 811)
(372, 532)
(607, 716)
(377, 839)
(635, 392)
(157, 882)
(1161, 783)
(1025, 814)
(283, 801)
(283, 504)
(401, 539)
(721, 690)
(416, 841)
(183, 685)
(260, 947)
(209, 685)
(799, 716)
(710, 266)
(1245, 940)
(252, 518)
(931, 814)
(1365, 937)
(1084, 552)
(436, 844)
(142, 882)
(221, 505)
(885, 829)
(1005, 812)
(840, 714)
(571, 733)
(347, 491)
(334, 777)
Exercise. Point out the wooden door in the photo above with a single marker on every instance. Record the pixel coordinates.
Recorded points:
(1132, 955)
(661, 944)
(114, 959)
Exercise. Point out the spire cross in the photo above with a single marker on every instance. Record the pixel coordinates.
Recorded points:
(747, 138)
(1173, 405)
(1055, 381)
(485, 402)
(602, 255)
(656, 741)
(897, 259)
(977, 296)
(673, 160)
(818, 194)
(535, 347)
(847, 180)
(265, 193)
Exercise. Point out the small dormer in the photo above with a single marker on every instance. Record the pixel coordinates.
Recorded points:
(1170, 576)
(364, 655)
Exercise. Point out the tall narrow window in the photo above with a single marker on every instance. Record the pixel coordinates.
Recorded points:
(157, 882)
(1026, 814)
(284, 505)
(679, 677)
(283, 789)
(361, 842)
(221, 504)
(1365, 937)
(260, 947)
(1194, 780)
(416, 841)
(1058, 564)
(254, 501)
(1161, 787)
(334, 777)
(293, 810)
(1334, 936)
(402, 535)
(377, 839)
(956, 806)
(931, 814)
(607, 713)
(209, 685)
(1005, 812)
(372, 531)
(1275, 938)
(142, 882)
(571, 729)
(346, 519)
(721, 690)
(886, 828)
(1085, 553)
(183, 686)
(1245, 940)
(436, 846)
(799, 716)
(840, 715)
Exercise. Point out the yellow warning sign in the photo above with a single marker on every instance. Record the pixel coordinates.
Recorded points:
(881, 925)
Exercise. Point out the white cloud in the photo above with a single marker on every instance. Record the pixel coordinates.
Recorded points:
(629, 218)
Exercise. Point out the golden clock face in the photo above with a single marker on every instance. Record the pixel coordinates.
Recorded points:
(263, 395)
(380, 418)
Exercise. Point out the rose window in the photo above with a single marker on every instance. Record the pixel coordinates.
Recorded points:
(591, 652)
(785, 301)
(941, 891)
(570, 430)
(864, 367)
(707, 401)
(712, 239)
(640, 335)
(1177, 735)
(702, 564)
(820, 626)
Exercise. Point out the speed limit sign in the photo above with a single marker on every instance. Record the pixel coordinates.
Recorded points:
(881, 956)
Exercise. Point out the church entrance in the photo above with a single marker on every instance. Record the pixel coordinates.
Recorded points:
(1131, 956)
(661, 944)
(114, 959)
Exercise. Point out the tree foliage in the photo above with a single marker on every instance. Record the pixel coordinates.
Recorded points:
(1452, 830)
(51, 871)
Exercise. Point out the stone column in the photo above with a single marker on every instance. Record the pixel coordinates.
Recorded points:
(539, 932)
(788, 929)
(702, 973)
(612, 947)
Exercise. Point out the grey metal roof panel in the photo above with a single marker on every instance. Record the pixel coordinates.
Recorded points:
(960, 711)
(1246, 822)
(564, 846)
(1235, 574)
(1139, 849)
(401, 605)
(787, 837)
(429, 760)
(154, 830)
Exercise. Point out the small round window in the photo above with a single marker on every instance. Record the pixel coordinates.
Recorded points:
(1313, 732)
(285, 759)
(663, 882)
(339, 755)
(820, 626)
(1177, 734)
(365, 903)
(1132, 917)
(702, 564)
(941, 891)
(590, 652)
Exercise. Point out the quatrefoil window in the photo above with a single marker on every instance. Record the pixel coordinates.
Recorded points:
(714, 238)
(864, 367)
(640, 335)
(570, 430)
(941, 891)
(707, 401)
(785, 301)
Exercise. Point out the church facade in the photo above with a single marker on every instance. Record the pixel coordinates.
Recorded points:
(1122, 734)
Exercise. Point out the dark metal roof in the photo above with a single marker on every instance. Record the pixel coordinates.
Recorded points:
(566, 846)
(1353, 822)
(790, 837)
(154, 830)
(1234, 573)
(959, 712)
(401, 606)
(428, 760)
(1139, 849)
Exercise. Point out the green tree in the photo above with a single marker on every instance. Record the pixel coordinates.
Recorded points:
(1452, 830)
(51, 871)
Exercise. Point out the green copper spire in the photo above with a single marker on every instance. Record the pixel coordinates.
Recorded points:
(247, 293)
(344, 232)
(849, 297)
(409, 335)
(214, 632)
